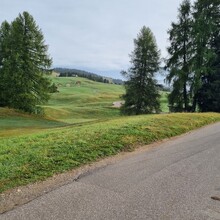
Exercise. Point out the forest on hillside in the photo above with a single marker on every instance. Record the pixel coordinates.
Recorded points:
(66, 72)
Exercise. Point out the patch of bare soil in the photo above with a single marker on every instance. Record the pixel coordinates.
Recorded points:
(117, 104)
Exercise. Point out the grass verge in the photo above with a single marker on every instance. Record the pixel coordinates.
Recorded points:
(14, 122)
(29, 158)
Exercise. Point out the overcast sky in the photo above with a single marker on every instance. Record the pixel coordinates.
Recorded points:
(95, 35)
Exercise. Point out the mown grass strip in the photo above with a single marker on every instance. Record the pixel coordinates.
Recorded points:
(30, 158)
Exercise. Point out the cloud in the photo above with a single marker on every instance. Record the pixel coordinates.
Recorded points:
(95, 34)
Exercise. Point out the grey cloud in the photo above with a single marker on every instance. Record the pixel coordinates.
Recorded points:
(95, 34)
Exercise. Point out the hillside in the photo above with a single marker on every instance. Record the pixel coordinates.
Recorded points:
(35, 157)
(81, 100)
(14, 122)
(80, 126)
(65, 72)
(78, 101)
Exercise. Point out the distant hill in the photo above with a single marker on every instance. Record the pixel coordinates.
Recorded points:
(66, 72)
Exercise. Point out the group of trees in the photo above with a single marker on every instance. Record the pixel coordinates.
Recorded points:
(24, 63)
(81, 73)
(193, 63)
(64, 72)
(194, 57)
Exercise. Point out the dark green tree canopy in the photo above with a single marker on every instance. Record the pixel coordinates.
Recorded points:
(24, 63)
(141, 90)
(194, 57)
(179, 61)
(206, 35)
(5, 53)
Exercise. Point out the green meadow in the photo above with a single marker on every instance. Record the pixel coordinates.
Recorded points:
(13, 123)
(80, 126)
(33, 157)
(87, 101)
(74, 104)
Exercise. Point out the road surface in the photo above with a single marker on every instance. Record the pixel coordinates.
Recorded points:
(174, 180)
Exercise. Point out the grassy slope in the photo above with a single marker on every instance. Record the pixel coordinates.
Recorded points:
(91, 101)
(164, 102)
(86, 102)
(73, 104)
(27, 156)
(35, 157)
(13, 122)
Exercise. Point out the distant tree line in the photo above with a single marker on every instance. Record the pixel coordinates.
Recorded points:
(64, 72)
(24, 63)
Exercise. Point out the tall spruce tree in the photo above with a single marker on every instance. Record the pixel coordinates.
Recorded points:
(179, 61)
(5, 53)
(142, 95)
(25, 84)
(206, 58)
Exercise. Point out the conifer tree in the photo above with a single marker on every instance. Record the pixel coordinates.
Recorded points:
(206, 36)
(5, 54)
(25, 83)
(142, 95)
(179, 61)
(194, 57)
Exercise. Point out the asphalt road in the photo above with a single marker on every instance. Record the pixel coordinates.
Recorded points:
(174, 180)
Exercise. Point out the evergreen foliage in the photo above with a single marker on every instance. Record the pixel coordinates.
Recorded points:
(206, 34)
(194, 57)
(142, 95)
(64, 72)
(24, 63)
(179, 60)
(5, 54)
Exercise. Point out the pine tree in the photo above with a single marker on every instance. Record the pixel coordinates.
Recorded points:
(194, 57)
(179, 61)
(142, 95)
(25, 83)
(209, 93)
(5, 53)
(206, 31)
